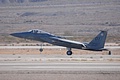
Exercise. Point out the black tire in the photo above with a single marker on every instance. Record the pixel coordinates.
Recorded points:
(41, 50)
(69, 52)
(109, 53)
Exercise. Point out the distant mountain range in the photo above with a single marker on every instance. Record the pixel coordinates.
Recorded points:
(54, 2)
(19, 1)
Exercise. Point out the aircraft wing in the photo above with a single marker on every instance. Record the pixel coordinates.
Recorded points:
(68, 43)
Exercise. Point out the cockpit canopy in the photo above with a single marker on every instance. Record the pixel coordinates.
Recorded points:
(37, 31)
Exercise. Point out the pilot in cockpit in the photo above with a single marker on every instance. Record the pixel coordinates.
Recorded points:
(37, 31)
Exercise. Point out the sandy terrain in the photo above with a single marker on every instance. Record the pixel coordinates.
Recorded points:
(56, 51)
(66, 18)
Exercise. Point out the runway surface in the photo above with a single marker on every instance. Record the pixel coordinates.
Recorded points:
(60, 66)
(59, 71)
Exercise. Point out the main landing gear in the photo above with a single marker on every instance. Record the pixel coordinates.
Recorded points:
(109, 53)
(69, 52)
(41, 49)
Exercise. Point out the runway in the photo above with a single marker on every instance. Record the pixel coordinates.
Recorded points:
(60, 66)
(58, 71)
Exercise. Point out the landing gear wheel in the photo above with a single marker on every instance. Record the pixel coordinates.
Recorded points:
(41, 50)
(69, 52)
(109, 53)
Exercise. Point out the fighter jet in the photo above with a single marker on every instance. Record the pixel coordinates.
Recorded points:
(97, 44)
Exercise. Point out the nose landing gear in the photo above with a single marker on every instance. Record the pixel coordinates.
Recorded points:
(41, 49)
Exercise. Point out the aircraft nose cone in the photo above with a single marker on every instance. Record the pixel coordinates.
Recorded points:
(17, 35)
(14, 34)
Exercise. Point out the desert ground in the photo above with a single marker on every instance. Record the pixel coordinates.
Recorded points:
(57, 51)
(80, 19)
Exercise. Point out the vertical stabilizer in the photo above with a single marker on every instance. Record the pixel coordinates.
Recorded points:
(98, 42)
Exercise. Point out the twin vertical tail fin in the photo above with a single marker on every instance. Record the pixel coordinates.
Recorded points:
(98, 42)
